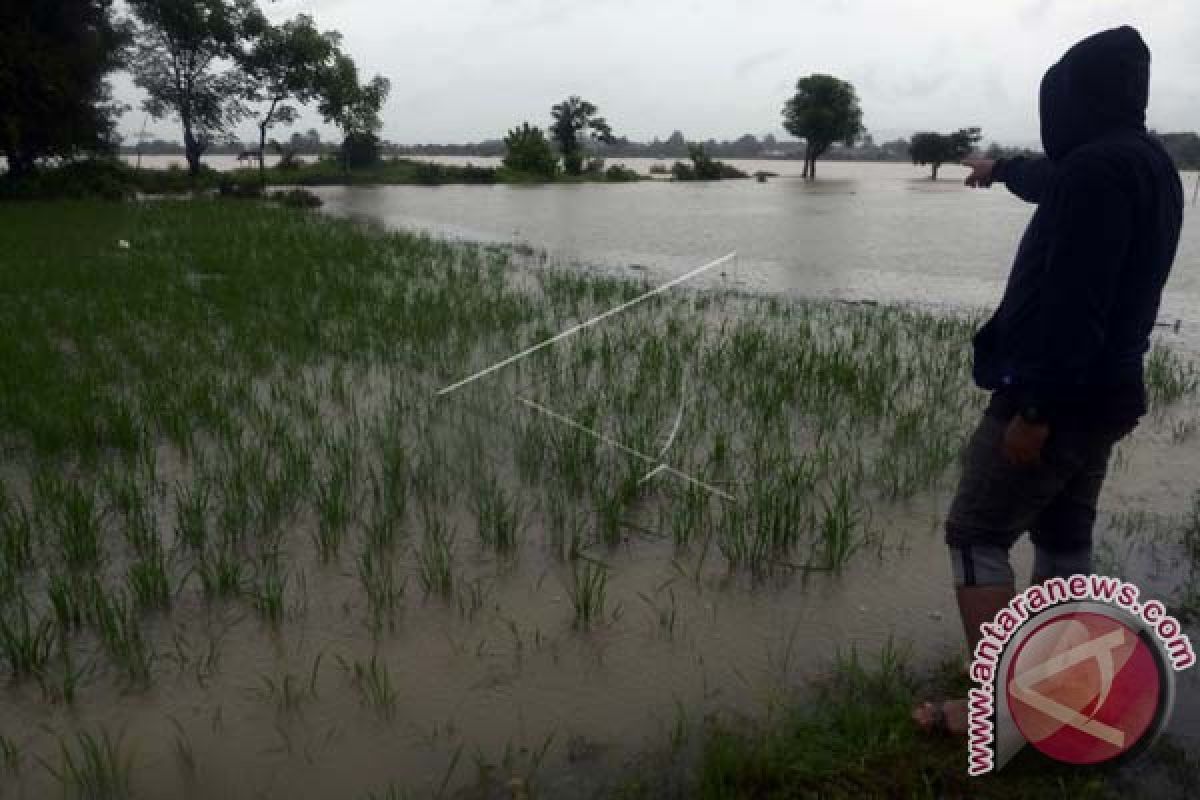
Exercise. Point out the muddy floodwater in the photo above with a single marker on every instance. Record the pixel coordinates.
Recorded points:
(881, 232)
(495, 675)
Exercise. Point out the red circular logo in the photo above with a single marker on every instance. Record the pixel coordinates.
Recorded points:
(1084, 688)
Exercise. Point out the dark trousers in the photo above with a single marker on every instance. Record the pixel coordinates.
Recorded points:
(1054, 500)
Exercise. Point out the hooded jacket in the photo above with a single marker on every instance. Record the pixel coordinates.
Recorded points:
(1069, 337)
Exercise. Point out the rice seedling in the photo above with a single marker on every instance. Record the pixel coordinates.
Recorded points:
(286, 694)
(94, 767)
(435, 560)
(498, 517)
(388, 508)
(588, 589)
(374, 685)
(334, 506)
(10, 756)
(222, 572)
(129, 503)
(612, 502)
(1169, 377)
(16, 536)
(192, 506)
(841, 526)
(26, 641)
(688, 515)
(75, 518)
(72, 599)
(119, 629)
(383, 588)
(149, 585)
(64, 686)
(430, 474)
(567, 525)
(740, 542)
(268, 590)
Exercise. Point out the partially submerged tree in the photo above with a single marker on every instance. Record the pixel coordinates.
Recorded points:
(354, 108)
(285, 64)
(574, 120)
(54, 96)
(530, 152)
(185, 61)
(936, 149)
(703, 167)
(823, 111)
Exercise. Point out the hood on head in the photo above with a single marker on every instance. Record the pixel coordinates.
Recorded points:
(1102, 84)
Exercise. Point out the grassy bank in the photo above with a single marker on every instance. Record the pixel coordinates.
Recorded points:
(216, 409)
(402, 171)
(849, 735)
(117, 180)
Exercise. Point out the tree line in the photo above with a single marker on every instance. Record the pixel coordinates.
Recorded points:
(210, 64)
(213, 64)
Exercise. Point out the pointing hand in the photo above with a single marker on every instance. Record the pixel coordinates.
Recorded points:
(981, 172)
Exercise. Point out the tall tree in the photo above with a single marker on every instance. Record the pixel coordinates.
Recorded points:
(354, 108)
(936, 149)
(574, 120)
(286, 63)
(54, 96)
(186, 61)
(823, 111)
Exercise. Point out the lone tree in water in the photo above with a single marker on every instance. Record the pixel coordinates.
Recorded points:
(573, 119)
(936, 149)
(54, 96)
(823, 111)
(185, 61)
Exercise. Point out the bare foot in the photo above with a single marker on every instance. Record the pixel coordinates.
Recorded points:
(946, 717)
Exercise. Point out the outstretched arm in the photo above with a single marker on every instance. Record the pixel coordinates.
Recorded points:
(1027, 178)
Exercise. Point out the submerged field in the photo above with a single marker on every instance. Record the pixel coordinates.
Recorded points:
(247, 548)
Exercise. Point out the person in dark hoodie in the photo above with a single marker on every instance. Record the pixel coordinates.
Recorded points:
(1063, 353)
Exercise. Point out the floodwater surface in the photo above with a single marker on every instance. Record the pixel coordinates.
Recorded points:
(864, 231)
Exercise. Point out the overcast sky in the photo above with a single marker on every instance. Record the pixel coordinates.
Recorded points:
(466, 70)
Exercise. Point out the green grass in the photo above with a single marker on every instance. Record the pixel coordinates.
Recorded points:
(850, 735)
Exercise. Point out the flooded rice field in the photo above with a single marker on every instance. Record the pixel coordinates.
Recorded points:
(253, 548)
